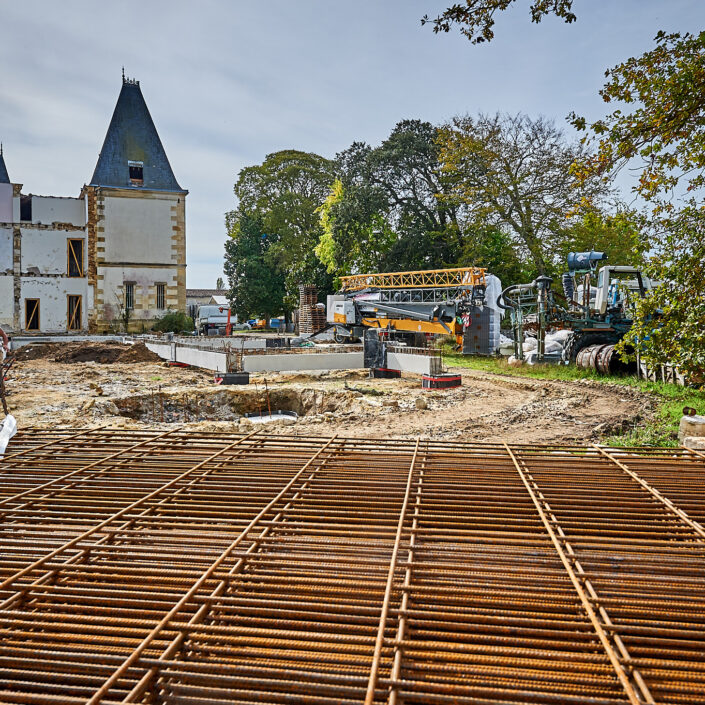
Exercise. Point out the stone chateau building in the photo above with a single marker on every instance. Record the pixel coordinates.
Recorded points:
(78, 264)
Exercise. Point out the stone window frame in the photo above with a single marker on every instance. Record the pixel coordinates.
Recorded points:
(160, 294)
(129, 294)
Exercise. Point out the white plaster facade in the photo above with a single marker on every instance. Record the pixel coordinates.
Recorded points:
(128, 232)
(34, 262)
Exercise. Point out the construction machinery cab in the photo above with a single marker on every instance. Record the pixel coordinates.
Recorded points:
(617, 286)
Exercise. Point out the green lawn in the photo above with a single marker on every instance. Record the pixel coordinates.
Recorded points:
(662, 430)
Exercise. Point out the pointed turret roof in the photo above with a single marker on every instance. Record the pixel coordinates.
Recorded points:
(4, 177)
(132, 137)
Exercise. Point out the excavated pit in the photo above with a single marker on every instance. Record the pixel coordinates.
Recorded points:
(165, 406)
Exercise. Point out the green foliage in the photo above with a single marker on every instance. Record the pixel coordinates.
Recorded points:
(617, 234)
(174, 322)
(476, 18)
(660, 127)
(219, 283)
(660, 122)
(256, 286)
(494, 249)
(670, 322)
(353, 239)
(512, 173)
(388, 216)
(284, 194)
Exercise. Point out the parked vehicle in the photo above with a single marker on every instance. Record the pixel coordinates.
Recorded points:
(211, 318)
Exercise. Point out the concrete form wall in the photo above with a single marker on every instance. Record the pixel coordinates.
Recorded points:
(416, 364)
(215, 343)
(206, 359)
(217, 361)
(311, 361)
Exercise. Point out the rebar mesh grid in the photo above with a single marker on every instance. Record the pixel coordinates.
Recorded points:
(181, 567)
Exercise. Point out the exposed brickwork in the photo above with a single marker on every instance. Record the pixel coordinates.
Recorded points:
(92, 196)
(17, 321)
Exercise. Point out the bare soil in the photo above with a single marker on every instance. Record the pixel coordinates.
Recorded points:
(102, 352)
(127, 392)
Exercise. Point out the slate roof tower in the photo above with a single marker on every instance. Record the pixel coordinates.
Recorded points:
(4, 177)
(132, 139)
(136, 222)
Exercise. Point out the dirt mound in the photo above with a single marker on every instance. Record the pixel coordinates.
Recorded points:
(104, 353)
(34, 352)
(138, 353)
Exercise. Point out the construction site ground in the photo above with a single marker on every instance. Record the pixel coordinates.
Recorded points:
(92, 385)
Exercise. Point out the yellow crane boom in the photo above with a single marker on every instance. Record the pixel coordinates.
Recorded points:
(428, 279)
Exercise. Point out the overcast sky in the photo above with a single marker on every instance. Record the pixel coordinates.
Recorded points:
(230, 81)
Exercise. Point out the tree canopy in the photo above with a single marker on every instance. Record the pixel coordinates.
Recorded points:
(384, 213)
(256, 287)
(491, 191)
(513, 172)
(283, 195)
(476, 18)
(658, 129)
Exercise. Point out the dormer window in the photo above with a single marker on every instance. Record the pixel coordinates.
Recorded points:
(136, 173)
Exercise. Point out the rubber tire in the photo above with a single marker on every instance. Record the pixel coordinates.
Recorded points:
(577, 342)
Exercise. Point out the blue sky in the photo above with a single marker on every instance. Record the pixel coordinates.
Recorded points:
(230, 81)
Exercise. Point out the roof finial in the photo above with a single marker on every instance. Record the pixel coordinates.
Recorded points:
(0, 149)
(123, 74)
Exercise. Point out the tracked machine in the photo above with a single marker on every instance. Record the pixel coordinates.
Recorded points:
(596, 307)
(407, 307)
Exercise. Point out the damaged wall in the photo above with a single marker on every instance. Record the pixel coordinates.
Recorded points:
(34, 262)
(53, 293)
(5, 203)
(48, 210)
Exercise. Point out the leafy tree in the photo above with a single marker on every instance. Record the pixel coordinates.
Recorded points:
(476, 18)
(495, 250)
(385, 215)
(219, 284)
(670, 323)
(660, 122)
(354, 239)
(284, 194)
(256, 288)
(514, 173)
(660, 129)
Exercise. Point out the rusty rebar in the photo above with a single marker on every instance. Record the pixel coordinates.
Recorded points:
(139, 566)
